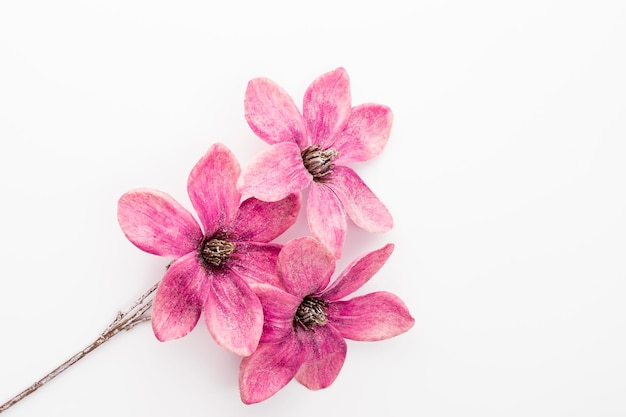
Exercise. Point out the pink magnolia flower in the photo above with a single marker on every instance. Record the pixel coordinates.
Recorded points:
(216, 261)
(311, 149)
(306, 321)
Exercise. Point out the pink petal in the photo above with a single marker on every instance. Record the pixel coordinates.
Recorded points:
(269, 369)
(178, 301)
(360, 203)
(260, 221)
(212, 188)
(326, 217)
(256, 262)
(305, 266)
(156, 223)
(279, 309)
(326, 106)
(365, 134)
(233, 314)
(275, 173)
(326, 352)
(272, 114)
(371, 317)
(358, 273)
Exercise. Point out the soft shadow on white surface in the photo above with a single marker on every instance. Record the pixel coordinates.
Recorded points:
(504, 173)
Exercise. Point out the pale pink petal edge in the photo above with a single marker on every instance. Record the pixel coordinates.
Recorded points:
(326, 218)
(357, 273)
(156, 223)
(305, 266)
(275, 173)
(233, 314)
(268, 370)
(359, 202)
(212, 188)
(376, 316)
(179, 297)
(272, 114)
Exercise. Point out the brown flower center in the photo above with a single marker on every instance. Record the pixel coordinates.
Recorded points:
(216, 251)
(310, 313)
(319, 162)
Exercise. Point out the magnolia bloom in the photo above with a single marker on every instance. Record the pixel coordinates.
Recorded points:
(311, 149)
(214, 262)
(306, 321)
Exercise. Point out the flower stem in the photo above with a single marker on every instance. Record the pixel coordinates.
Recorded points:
(137, 313)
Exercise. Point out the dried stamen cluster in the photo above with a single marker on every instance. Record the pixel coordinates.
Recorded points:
(311, 312)
(319, 162)
(216, 251)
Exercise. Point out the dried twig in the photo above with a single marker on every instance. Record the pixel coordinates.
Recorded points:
(137, 313)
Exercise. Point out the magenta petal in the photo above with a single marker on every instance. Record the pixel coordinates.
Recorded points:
(212, 188)
(326, 106)
(358, 273)
(326, 217)
(256, 262)
(156, 223)
(365, 134)
(326, 352)
(272, 114)
(275, 173)
(179, 297)
(360, 203)
(279, 309)
(260, 221)
(233, 314)
(371, 317)
(305, 266)
(269, 369)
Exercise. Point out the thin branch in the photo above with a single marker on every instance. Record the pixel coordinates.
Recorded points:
(126, 320)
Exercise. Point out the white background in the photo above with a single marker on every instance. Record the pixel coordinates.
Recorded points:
(504, 172)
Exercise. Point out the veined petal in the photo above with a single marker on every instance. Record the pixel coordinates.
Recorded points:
(212, 188)
(272, 114)
(360, 203)
(305, 266)
(156, 223)
(279, 309)
(269, 369)
(365, 134)
(256, 262)
(326, 107)
(179, 297)
(375, 316)
(233, 314)
(326, 217)
(260, 221)
(358, 273)
(275, 173)
(326, 352)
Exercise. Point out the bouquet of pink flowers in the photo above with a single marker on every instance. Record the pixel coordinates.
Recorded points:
(277, 306)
